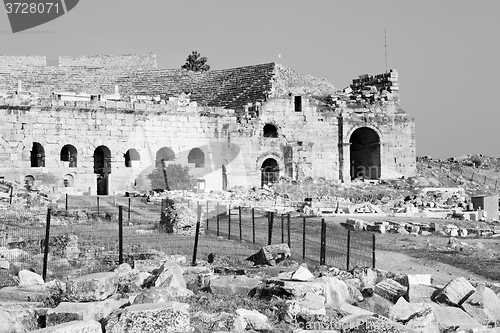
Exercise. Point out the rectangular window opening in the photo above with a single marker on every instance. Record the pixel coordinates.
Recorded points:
(298, 103)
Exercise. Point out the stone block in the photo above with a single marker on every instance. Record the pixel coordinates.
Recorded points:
(19, 318)
(87, 326)
(376, 304)
(391, 290)
(484, 306)
(29, 278)
(419, 279)
(233, 284)
(271, 255)
(152, 317)
(403, 311)
(455, 292)
(92, 287)
(26, 294)
(255, 320)
(449, 317)
(420, 293)
(310, 304)
(161, 294)
(170, 275)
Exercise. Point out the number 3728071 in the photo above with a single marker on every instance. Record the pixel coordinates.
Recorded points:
(31, 8)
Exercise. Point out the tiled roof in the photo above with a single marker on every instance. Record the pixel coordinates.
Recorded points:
(229, 88)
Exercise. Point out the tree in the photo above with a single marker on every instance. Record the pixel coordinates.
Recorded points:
(196, 63)
(178, 178)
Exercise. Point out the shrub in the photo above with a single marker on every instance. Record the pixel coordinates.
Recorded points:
(177, 175)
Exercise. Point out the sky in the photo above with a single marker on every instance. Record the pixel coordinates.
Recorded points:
(447, 52)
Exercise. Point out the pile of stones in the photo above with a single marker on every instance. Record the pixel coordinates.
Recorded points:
(154, 296)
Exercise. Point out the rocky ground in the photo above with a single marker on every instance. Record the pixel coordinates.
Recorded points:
(266, 293)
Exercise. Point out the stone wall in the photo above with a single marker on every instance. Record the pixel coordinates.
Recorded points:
(22, 61)
(123, 61)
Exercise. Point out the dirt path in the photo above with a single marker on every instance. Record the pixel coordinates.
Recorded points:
(441, 273)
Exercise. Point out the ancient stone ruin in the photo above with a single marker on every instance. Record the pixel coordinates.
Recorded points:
(100, 124)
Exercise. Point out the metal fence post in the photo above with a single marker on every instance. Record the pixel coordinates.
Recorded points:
(207, 215)
(269, 228)
(253, 226)
(66, 205)
(304, 238)
(484, 180)
(196, 235)
(373, 251)
(229, 223)
(239, 218)
(97, 206)
(11, 194)
(46, 244)
(120, 234)
(282, 229)
(348, 248)
(322, 253)
(217, 215)
(128, 210)
(288, 230)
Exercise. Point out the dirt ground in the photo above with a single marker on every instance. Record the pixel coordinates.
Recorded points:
(441, 273)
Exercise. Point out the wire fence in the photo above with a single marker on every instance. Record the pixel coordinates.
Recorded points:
(82, 239)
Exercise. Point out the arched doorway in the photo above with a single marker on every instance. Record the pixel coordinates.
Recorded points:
(69, 154)
(197, 157)
(37, 155)
(269, 172)
(131, 155)
(365, 154)
(102, 168)
(270, 131)
(164, 153)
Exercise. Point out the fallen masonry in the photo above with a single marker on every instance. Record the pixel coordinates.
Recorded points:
(256, 296)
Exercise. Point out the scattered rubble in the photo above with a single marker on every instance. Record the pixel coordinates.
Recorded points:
(177, 298)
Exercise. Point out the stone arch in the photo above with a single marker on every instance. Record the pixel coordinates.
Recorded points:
(131, 155)
(29, 181)
(270, 171)
(37, 156)
(102, 168)
(164, 153)
(69, 180)
(69, 154)
(197, 156)
(365, 158)
(270, 131)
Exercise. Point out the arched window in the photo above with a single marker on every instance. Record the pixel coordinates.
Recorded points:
(269, 172)
(102, 160)
(365, 154)
(69, 154)
(131, 155)
(197, 157)
(164, 153)
(37, 155)
(69, 180)
(270, 131)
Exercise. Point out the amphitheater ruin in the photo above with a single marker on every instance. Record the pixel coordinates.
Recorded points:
(101, 124)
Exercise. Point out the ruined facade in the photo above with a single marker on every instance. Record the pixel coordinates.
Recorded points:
(102, 123)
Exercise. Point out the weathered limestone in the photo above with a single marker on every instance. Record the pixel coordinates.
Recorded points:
(162, 294)
(456, 292)
(376, 304)
(391, 290)
(28, 278)
(420, 293)
(271, 255)
(310, 304)
(87, 326)
(92, 287)
(151, 317)
(254, 320)
(451, 317)
(170, 275)
(18, 318)
(233, 284)
(483, 305)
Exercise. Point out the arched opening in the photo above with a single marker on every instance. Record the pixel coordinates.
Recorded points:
(102, 167)
(131, 155)
(270, 131)
(365, 154)
(197, 157)
(37, 155)
(69, 154)
(69, 180)
(164, 153)
(29, 181)
(269, 172)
